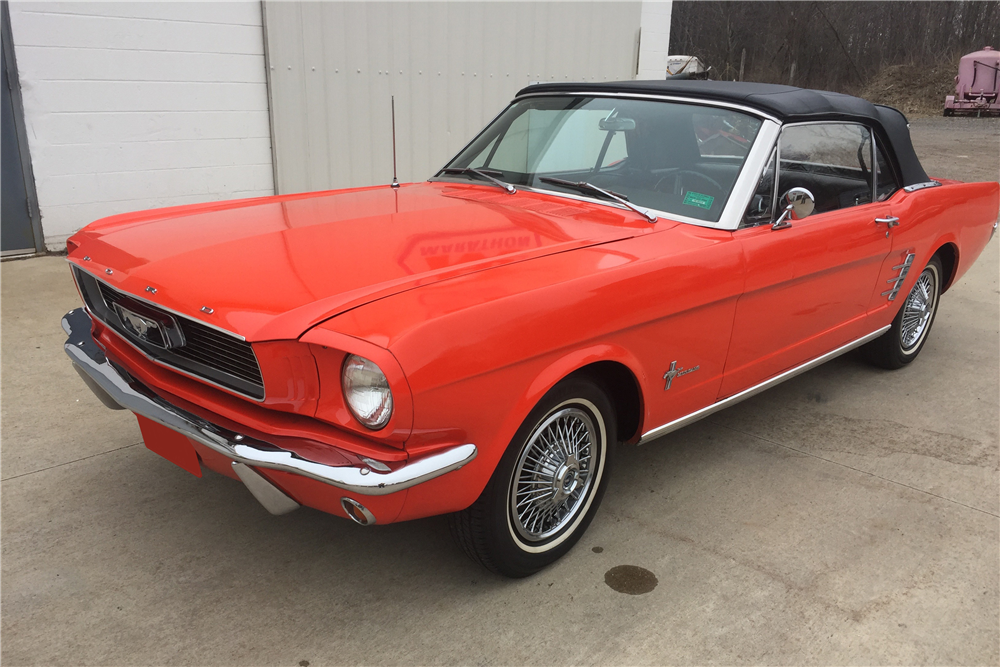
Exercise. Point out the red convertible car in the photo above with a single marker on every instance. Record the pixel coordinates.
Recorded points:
(603, 264)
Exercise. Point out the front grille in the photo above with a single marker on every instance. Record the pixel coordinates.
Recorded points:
(213, 348)
(207, 353)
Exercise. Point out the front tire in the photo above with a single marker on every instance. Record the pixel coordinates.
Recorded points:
(901, 344)
(548, 485)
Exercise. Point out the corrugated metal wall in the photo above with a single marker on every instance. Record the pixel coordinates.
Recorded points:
(451, 67)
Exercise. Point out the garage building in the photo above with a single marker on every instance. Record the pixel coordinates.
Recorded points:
(116, 107)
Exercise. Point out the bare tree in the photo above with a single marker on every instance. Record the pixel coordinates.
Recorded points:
(838, 46)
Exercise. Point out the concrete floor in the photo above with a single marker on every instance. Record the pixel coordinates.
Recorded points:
(849, 516)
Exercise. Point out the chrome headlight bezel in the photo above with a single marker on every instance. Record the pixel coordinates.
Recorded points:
(366, 392)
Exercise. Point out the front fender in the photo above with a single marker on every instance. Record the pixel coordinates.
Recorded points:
(577, 360)
(521, 387)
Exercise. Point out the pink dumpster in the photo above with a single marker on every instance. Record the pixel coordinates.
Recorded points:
(976, 85)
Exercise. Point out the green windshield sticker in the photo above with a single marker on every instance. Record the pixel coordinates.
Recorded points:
(698, 199)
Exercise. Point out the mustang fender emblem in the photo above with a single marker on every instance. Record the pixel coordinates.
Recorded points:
(675, 372)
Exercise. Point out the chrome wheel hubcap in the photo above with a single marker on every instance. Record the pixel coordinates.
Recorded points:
(918, 309)
(554, 474)
(567, 479)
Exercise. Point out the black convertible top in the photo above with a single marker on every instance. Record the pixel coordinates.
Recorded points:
(786, 103)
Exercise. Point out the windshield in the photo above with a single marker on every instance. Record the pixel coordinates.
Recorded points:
(676, 158)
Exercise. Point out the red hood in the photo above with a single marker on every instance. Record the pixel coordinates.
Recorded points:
(272, 268)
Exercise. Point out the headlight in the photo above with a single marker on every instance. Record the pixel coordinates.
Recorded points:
(366, 391)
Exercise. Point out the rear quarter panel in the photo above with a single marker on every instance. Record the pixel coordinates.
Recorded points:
(959, 214)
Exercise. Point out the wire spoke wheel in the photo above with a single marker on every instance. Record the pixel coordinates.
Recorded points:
(912, 324)
(553, 476)
(548, 485)
(918, 310)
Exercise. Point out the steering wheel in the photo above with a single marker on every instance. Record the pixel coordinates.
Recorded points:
(678, 176)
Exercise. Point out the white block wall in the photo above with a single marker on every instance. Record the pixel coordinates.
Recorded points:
(654, 42)
(138, 105)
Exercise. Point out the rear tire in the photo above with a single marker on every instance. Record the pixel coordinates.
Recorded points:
(901, 344)
(548, 485)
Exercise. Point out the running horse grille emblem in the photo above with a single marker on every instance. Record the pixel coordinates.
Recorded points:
(138, 324)
(675, 372)
(153, 328)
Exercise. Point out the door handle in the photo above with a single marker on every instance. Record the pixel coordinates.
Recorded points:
(889, 221)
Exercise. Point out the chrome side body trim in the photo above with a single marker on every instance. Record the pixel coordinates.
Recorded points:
(874, 158)
(897, 282)
(756, 389)
(109, 385)
(921, 186)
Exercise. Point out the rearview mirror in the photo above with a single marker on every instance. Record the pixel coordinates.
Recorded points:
(799, 203)
(616, 124)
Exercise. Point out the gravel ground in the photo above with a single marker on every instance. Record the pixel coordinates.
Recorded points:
(965, 149)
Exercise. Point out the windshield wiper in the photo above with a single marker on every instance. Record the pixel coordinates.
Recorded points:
(481, 173)
(590, 187)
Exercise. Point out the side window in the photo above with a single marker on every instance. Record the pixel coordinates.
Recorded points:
(831, 160)
(760, 212)
(885, 179)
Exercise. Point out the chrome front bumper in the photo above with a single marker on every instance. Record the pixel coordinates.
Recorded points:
(118, 393)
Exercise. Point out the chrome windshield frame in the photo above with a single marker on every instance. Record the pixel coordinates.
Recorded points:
(743, 188)
(583, 92)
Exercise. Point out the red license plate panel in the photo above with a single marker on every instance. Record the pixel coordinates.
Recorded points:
(169, 444)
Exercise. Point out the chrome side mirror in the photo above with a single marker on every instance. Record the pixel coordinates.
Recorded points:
(799, 203)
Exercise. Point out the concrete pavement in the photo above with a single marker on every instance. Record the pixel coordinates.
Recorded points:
(848, 516)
